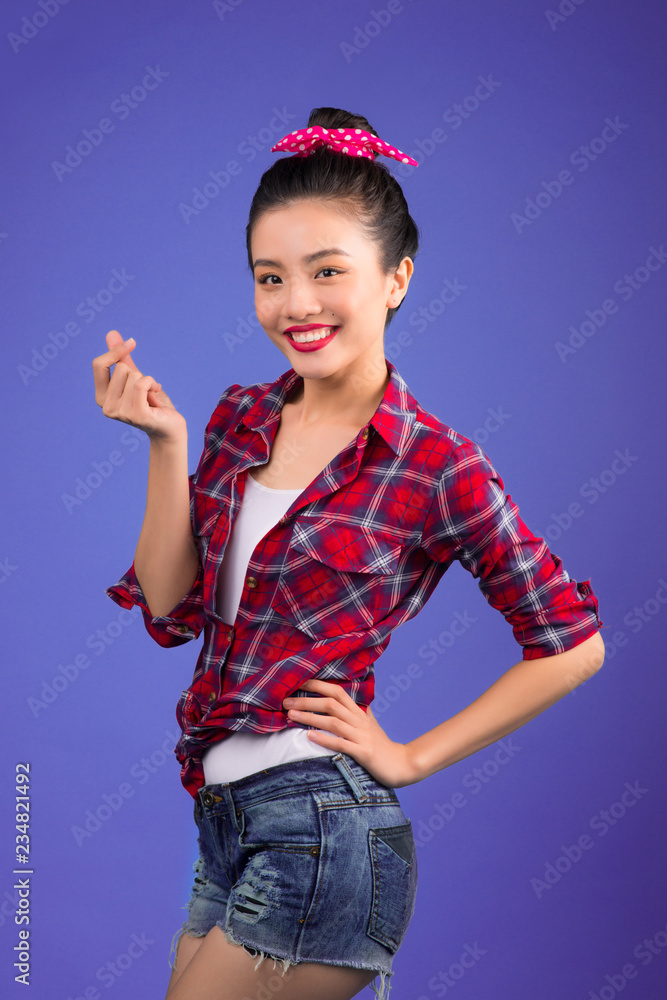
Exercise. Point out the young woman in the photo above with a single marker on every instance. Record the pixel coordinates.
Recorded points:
(324, 510)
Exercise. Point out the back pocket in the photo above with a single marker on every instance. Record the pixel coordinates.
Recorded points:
(394, 866)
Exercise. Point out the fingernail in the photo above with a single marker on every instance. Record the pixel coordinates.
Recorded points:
(130, 340)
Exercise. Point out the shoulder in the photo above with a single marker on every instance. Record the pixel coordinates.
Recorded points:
(236, 400)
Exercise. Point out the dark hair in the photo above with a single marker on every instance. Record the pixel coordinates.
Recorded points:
(356, 185)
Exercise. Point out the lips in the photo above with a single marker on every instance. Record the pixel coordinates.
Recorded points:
(312, 339)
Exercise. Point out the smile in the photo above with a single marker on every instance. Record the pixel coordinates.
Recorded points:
(313, 340)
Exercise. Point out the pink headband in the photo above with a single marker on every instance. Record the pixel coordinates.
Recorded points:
(353, 141)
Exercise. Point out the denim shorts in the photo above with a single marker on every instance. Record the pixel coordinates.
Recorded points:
(312, 860)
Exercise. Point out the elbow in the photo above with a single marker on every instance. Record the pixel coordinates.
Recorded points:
(585, 662)
(597, 651)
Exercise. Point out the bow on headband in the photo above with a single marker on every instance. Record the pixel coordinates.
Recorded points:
(353, 141)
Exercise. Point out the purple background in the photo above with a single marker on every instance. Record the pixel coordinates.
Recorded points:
(225, 70)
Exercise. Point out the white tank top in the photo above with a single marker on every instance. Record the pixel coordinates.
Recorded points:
(244, 753)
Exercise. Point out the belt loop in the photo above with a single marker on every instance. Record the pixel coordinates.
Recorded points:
(345, 769)
(236, 814)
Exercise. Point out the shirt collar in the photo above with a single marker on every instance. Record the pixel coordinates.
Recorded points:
(392, 420)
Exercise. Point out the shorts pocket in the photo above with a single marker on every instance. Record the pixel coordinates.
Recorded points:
(394, 867)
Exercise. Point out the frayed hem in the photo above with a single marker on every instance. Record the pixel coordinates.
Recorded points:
(382, 991)
(254, 952)
(176, 938)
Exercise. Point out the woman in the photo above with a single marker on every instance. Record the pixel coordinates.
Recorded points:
(324, 510)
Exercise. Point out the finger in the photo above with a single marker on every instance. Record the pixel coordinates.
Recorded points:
(127, 395)
(115, 341)
(103, 364)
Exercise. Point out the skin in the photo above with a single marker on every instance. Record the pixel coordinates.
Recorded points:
(343, 386)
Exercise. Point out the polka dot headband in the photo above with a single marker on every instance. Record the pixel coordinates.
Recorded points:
(353, 141)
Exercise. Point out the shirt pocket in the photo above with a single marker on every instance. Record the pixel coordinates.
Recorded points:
(336, 578)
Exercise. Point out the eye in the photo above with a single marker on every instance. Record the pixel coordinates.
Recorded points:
(265, 277)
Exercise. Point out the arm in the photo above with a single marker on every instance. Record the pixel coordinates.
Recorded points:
(524, 691)
(166, 560)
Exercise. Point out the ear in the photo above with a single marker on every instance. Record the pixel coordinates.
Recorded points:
(399, 282)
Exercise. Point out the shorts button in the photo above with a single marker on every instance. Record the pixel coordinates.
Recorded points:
(238, 814)
(207, 799)
(252, 582)
(315, 851)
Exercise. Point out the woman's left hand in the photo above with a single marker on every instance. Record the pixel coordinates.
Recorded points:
(347, 728)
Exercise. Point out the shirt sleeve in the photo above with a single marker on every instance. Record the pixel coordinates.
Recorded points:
(184, 622)
(472, 519)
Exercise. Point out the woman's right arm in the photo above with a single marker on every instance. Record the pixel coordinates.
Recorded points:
(166, 560)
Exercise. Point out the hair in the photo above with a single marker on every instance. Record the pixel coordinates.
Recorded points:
(357, 186)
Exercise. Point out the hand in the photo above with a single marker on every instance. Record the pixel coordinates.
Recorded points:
(131, 397)
(346, 727)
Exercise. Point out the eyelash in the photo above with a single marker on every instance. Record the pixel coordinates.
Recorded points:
(263, 279)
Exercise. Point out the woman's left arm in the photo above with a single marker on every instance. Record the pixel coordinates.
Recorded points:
(524, 691)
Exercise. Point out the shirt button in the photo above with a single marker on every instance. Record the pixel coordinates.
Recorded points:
(364, 433)
(229, 636)
(182, 628)
(211, 697)
(284, 519)
(252, 582)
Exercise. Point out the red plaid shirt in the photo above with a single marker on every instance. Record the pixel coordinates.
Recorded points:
(358, 552)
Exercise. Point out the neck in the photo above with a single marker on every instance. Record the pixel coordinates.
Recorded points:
(346, 397)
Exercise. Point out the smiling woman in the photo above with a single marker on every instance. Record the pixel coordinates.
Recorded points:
(324, 510)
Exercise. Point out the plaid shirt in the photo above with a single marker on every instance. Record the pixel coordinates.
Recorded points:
(358, 552)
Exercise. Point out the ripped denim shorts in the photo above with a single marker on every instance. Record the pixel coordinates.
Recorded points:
(312, 860)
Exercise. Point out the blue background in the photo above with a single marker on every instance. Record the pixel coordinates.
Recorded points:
(88, 696)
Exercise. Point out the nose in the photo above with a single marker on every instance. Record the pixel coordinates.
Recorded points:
(301, 303)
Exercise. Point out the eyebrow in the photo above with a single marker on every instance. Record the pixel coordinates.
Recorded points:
(308, 259)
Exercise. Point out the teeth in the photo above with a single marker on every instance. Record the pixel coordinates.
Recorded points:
(306, 338)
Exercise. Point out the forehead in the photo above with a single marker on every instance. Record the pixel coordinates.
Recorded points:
(311, 222)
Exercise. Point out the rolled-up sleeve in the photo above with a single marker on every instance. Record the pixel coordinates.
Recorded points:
(184, 622)
(473, 520)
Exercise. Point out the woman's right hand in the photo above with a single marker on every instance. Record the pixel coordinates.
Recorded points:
(134, 398)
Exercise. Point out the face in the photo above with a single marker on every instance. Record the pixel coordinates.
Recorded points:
(314, 267)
